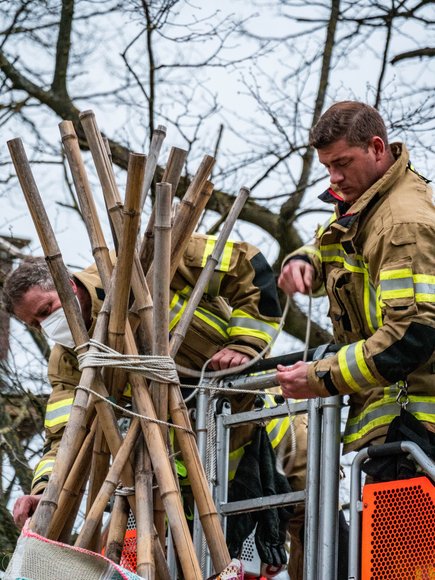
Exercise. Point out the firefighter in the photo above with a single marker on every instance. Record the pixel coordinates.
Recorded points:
(236, 318)
(375, 260)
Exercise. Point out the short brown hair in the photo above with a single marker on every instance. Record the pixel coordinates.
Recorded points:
(354, 121)
(33, 271)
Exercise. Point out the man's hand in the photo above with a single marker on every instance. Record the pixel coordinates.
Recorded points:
(294, 381)
(24, 507)
(296, 276)
(228, 358)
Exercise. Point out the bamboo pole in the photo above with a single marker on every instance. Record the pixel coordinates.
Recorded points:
(160, 347)
(117, 527)
(171, 175)
(99, 467)
(118, 317)
(145, 534)
(157, 139)
(76, 478)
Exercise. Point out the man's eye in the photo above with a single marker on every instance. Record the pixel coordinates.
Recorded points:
(343, 163)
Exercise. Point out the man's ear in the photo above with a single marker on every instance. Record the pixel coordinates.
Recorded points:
(74, 285)
(379, 147)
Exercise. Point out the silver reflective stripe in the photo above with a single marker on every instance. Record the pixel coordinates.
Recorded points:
(353, 367)
(223, 324)
(373, 307)
(424, 288)
(176, 307)
(215, 284)
(397, 284)
(251, 323)
(51, 416)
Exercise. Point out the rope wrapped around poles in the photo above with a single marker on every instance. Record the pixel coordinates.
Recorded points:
(156, 368)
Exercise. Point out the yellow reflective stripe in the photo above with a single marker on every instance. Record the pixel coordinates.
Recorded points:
(179, 304)
(370, 304)
(44, 467)
(58, 413)
(310, 250)
(243, 324)
(234, 458)
(212, 320)
(225, 260)
(344, 369)
(210, 244)
(321, 229)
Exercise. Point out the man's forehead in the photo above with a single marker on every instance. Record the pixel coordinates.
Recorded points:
(338, 150)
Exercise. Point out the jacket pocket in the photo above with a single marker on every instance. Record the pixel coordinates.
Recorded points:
(343, 311)
(397, 293)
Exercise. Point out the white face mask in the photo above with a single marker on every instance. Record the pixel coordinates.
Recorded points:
(55, 327)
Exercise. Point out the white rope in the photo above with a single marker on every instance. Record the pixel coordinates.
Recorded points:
(240, 368)
(156, 368)
(124, 491)
(125, 411)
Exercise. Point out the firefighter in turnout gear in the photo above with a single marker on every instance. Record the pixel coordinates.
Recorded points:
(375, 260)
(236, 318)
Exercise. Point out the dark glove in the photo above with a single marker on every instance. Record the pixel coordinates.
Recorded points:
(270, 537)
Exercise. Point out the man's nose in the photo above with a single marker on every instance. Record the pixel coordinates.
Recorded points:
(336, 175)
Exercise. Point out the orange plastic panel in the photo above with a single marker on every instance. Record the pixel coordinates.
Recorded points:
(398, 530)
(129, 555)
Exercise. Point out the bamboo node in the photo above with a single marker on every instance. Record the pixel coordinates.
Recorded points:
(53, 257)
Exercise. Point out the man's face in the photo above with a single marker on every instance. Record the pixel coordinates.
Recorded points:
(352, 169)
(36, 305)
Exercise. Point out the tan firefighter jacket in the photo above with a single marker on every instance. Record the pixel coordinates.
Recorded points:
(376, 261)
(239, 309)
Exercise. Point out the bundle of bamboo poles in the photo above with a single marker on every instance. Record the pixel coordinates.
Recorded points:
(93, 454)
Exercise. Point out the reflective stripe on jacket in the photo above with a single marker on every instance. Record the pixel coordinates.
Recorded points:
(376, 261)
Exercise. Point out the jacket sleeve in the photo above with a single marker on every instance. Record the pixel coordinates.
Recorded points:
(64, 376)
(402, 266)
(251, 293)
(311, 253)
